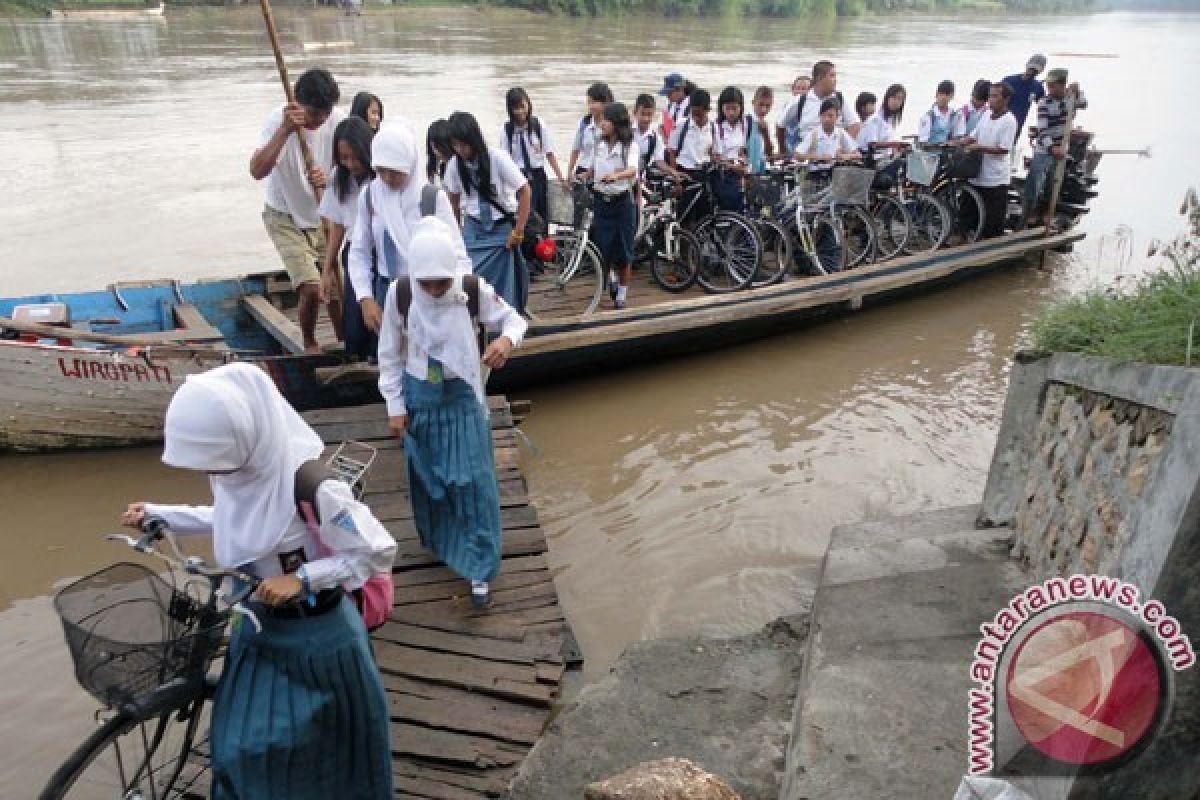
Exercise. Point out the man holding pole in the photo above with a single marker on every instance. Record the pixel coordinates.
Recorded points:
(1049, 142)
(290, 214)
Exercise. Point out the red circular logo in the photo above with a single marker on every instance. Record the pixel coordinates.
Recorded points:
(1084, 688)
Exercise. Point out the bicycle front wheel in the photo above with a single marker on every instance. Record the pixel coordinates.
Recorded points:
(892, 225)
(676, 260)
(858, 235)
(966, 206)
(161, 758)
(777, 254)
(572, 283)
(730, 252)
(931, 222)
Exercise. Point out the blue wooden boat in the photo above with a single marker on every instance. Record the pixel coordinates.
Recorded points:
(97, 369)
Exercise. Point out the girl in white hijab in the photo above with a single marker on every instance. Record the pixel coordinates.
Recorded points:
(388, 211)
(430, 377)
(301, 697)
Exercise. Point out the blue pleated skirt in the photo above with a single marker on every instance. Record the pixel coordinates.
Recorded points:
(501, 267)
(452, 476)
(300, 712)
(614, 228)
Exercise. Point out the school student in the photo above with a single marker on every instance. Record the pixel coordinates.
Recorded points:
(804, 111)
(437, 151)
(692, 147)
(491, 197)
(431, 381)
(290, 212)
(941, 123)
(528, 142)
(388, 211)
(974, 109)
(614, 178)
(339, 205)
(588, 131)
(673, 90)
(734, 129)
(759, 147)
(650, 141)
(827, 143)
(994, 138)
(299, 710)
(368, 108)
(1049, 143)
(878, 133)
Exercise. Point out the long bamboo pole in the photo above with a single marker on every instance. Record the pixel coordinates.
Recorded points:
(1060, 169)
(273, 35)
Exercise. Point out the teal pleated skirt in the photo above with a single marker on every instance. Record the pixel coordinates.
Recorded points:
(300, 712)
(452, 476)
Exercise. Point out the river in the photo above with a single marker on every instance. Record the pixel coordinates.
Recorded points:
(691, 496)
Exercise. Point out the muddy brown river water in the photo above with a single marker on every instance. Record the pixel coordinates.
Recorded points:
(691, 496)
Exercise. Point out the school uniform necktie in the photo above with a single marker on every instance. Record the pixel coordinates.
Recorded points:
(525, 153)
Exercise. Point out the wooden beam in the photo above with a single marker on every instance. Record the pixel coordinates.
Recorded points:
(122, 339)
(188, 317)
(275, 322)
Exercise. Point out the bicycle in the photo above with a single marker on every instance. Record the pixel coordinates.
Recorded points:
(575, 275)
(672, 251)
(730, 249)
(815, 233)
(893, 223)
(143, 648)
(844, 194)
(950, 186)
(764, 205)
(930, 219)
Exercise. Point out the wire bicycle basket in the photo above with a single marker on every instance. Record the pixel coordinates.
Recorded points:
(130, 632)
(350, 463)
(921, 167)
(851, 185)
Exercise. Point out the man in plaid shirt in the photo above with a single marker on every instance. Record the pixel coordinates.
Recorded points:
(1048, 143)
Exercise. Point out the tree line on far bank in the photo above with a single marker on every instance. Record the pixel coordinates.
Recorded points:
(787, 8)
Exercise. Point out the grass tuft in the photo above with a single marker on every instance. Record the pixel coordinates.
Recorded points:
(1155, 321)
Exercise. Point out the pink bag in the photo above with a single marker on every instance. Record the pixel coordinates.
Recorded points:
(374, 598)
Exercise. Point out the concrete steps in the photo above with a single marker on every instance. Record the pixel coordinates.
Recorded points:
(882, 707)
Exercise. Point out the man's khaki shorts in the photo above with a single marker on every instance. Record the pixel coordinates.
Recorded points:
(302, 250)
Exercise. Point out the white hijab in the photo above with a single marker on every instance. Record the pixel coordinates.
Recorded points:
(233, 420)
(395, 147)
(442, 326)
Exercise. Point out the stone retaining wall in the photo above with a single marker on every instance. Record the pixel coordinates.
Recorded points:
(1094, 455)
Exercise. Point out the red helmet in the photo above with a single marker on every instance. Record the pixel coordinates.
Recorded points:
(546, 250)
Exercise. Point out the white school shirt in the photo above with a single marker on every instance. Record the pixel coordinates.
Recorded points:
(539, 146)
(810, 116)
(653, 135)
(339, 211)
(731, 139)
(952, 119)
(995, 133)
(397, 355)
(353, 546)
(507, 180)
(694, 150)
(610, 160)
(288, 189)
(876, 129)
(586, 135)
(366, 245)
(819, 143)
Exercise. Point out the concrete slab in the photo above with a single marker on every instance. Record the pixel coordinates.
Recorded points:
(882, 707)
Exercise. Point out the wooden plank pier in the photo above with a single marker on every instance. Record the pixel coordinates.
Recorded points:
(470, 692)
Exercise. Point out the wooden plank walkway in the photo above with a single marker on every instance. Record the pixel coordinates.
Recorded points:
(470, 692)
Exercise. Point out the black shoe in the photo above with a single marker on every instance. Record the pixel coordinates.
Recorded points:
(481, 595)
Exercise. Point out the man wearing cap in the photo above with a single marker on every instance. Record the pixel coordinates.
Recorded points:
(1026, 90)
(1049, 145)
(673, 90)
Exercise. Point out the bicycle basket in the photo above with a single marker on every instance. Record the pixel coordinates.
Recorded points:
(851, 185)
(764, 191)
(921, 166)
(560, 206)
(129, 632)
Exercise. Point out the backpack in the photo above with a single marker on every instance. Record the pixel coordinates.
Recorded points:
(649, 157)
(375, 598)
(683, 130)
(470, 285)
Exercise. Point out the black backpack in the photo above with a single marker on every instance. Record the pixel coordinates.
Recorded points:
(470, 286)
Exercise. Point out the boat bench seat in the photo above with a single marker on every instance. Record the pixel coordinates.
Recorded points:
(188, 317)
(275, 322)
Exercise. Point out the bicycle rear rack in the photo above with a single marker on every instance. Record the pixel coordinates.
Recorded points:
(351, 462)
